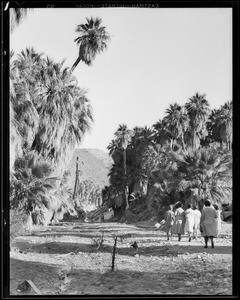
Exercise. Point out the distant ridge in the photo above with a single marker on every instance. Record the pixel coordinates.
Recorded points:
(94, 165)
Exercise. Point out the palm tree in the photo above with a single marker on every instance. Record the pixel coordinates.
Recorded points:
(158, 162)
(224, 123)
(49, 110)
(15, 136)
(220, 125)
(24, 114)
(198, 111)
(16, 16)
(161, 133)
(160, 169)
(30, 184)
(93, 39)
(141, 140)
(206, 171)
(64, 110)
(30, 64)
(114, 151)
(142, 137)
(177, 122)
(123, 137)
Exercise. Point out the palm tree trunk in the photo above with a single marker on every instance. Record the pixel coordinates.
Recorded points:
(76, 180)
(183, 144)
(193, 138)
(75, 64)
(125, 178)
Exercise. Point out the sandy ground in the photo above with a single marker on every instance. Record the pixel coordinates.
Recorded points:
(157, 267)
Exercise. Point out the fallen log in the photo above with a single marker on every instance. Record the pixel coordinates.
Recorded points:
(34, 287)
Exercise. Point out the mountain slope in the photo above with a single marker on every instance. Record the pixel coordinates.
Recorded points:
(94, 166)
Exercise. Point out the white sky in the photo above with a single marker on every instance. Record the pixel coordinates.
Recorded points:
(157, 56)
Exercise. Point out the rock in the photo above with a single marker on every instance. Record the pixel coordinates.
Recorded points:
(24, 287)
(136, 255)
(189, 283)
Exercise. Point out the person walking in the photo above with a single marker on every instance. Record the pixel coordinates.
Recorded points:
(197, 216)
(208, 223)
(189, 223)
(179, 222)
(169, 219)
(218, 220)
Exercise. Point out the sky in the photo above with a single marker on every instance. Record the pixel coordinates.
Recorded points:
(157, 56)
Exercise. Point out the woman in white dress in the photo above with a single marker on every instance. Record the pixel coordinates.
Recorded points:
(197, 216)
(189, 217)
(218, 219)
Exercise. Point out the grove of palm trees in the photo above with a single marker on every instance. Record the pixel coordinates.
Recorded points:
(184, 156)
(50, 114)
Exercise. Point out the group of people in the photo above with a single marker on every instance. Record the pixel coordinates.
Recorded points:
(191, 221)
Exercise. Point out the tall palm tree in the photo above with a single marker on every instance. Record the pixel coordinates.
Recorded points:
(93, 39)
(123, 136)
(114, 151)
(198, 111)
(64, 110)
(177, 122)
(220, 125)
(51, 110)
(224, 123)
(141, 140)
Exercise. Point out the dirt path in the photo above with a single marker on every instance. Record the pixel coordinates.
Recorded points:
(158, 267)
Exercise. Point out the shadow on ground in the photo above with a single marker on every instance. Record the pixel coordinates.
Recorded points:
(89, 282)
(145, 250)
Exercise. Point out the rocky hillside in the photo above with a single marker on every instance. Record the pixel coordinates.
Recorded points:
(94, 166)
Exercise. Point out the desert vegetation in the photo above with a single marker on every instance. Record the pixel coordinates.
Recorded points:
(49, 115)
(185, 156)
